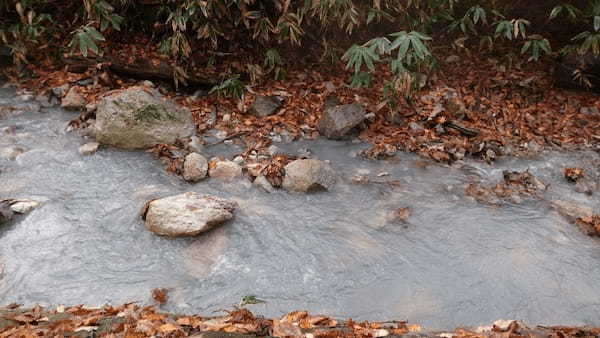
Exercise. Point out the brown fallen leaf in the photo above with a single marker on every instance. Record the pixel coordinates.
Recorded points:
(573, 174)
(160, 295)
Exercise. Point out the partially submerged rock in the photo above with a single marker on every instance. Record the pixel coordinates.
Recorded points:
(337, 121)
(308, 175)
(10, 207)
(265, 106)
(73, 100)
(23, 206)
(224, 170)
(187, 214)
(89, 148)
(140, 117)
(195, 167)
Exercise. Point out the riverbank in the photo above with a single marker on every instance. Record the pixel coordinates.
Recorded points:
(131, 320)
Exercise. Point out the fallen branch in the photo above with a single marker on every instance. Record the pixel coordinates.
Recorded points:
(144, 69)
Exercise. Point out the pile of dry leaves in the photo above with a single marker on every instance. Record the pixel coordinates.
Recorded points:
(133, 321)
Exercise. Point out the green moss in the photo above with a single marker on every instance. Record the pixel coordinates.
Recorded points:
(152, 112)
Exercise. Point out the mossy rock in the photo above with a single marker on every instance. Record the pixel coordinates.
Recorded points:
(139, 118)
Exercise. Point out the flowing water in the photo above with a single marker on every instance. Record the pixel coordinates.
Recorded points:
(453, 262)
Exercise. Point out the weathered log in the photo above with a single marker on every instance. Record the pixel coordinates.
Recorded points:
(141, 68)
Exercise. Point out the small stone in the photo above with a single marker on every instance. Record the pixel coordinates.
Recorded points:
(25, 97)
(264, 184)
(23, 206)
(337, 121)
(90, 107)
(195, 167)
(238, 159)
(221, 134)
(415, 126)
(73, 100)
(265, 106)
(148, 83)
(89, 148)
(61, 90)
(225, 170)
(276, 138)
(308, 175)
(85, 82)
(370, 117)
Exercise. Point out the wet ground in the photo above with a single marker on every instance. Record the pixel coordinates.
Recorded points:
(452, 262)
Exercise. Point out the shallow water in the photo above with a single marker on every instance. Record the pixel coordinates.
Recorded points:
(454, 262)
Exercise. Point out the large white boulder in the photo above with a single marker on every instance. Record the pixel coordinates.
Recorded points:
(187, 214)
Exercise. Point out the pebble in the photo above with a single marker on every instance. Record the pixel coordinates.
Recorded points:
(89, 148)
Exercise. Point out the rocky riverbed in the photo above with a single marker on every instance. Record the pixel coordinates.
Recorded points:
(396, 238)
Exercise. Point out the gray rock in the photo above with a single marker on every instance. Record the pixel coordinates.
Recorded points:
(238, 159)
(415, 126)
(187, 214)
(195, 167)
(337, 121)
(225, 170)
(264, 184)
(140, 117)
(89, 148)
(308, 175)
(73, 100)
(265, 106)
(61, 90)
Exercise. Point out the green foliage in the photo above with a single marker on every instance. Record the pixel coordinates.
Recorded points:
(338, 28)
(231, 87)
(360, 79)
(250, 299)
(274, 64)
(536, 45)
(85, 39)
